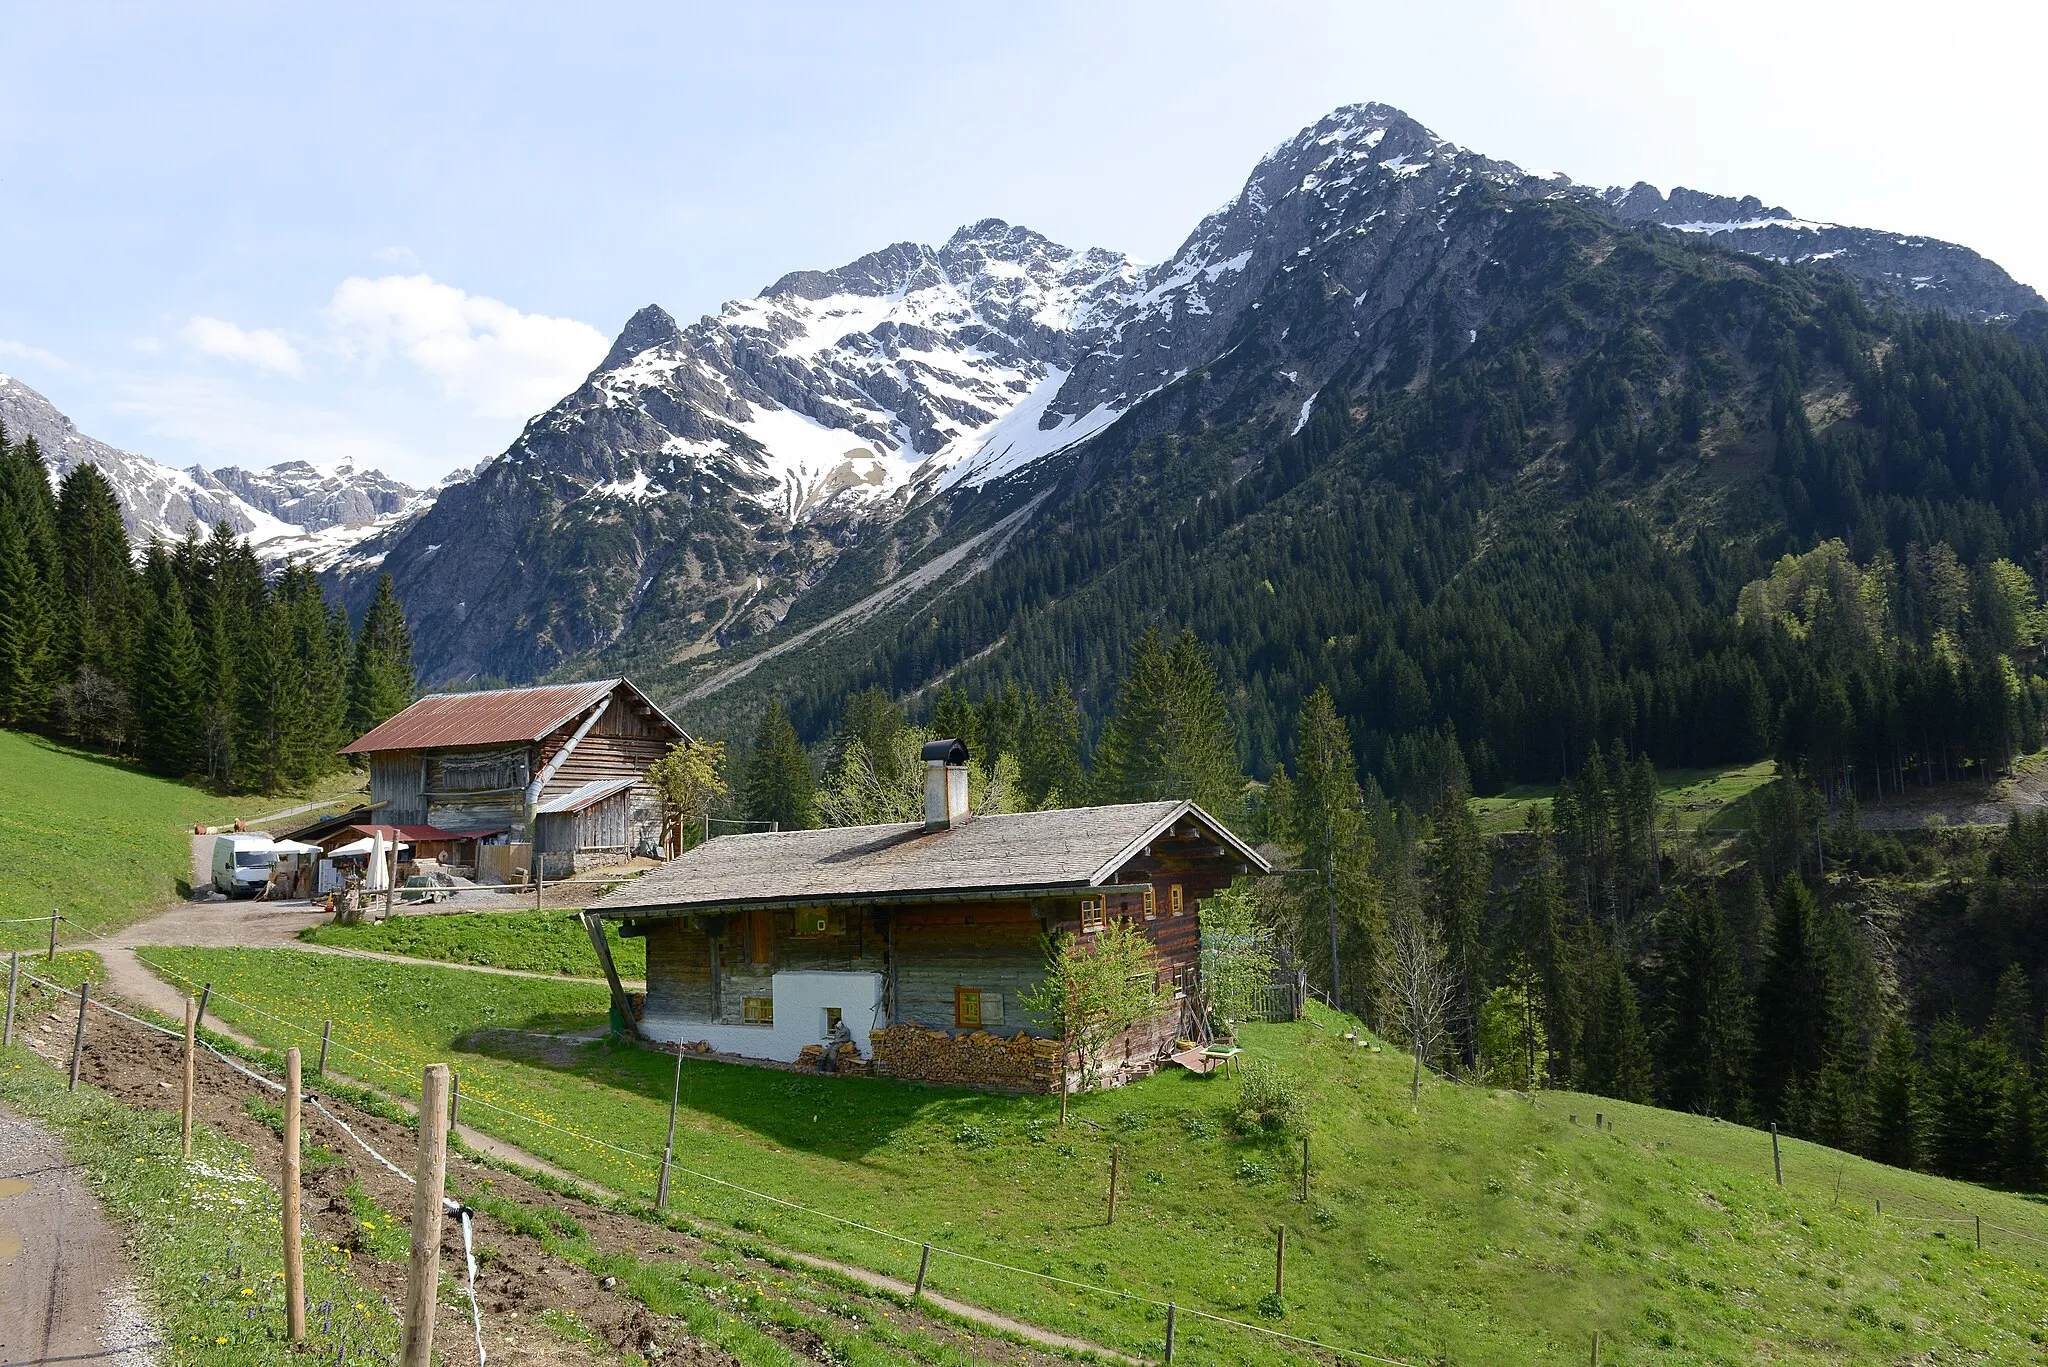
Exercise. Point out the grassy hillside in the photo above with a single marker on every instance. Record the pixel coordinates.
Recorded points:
(537, 941)
(1704, 799)
(1480, 1229)
(98, 839)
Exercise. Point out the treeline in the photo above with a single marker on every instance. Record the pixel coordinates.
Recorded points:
(1171, 736)
(195, 662)
(1543, 548)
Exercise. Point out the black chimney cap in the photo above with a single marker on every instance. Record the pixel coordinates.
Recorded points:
(949, 751)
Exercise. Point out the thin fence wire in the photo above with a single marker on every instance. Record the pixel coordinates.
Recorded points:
(453, 1207)
(1132, 1297)
(1112, 1292)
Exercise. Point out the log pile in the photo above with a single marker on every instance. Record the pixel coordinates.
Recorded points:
(1012, 1063)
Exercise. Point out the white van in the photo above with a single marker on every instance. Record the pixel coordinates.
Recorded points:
(242, 863)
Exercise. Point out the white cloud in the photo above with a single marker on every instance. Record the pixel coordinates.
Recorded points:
(489, 356)
(266, 350)
(23, 351)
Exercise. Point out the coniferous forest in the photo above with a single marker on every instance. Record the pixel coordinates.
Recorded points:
(195, 661)
(1669, 510)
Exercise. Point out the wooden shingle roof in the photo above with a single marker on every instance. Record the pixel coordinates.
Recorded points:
(1022, 852)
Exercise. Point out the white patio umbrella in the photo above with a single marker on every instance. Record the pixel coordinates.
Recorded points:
(379, 878)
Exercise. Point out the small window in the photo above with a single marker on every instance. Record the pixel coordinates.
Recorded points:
(1092, 917)
(1173, 899)
(759, 1010)
(967, 1008)
(1151, 903)
(833, 1016)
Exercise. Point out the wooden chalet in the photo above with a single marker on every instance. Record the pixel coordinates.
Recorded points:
(909, 944)
(563, 766)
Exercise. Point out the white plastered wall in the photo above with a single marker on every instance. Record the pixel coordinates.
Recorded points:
(801, 999)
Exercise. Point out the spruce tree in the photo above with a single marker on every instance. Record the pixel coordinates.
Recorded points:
(1897, 1124)
(778, 786)
(96, 632)
(1798, 1003)
(1966, 1095)
(168, 688)
(1704, 1039)
(1201, 739)
(871, 717)
(2021, 1162)
(1050, 762)
(1615, 1056)
(2012, 1012)
(381, 681)
(1460, 871)
(1542, 926)
(25, 628)
(272, 740)
(1342, 901)
(1130, 759)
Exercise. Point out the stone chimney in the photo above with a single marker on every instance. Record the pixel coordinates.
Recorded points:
(945, 784)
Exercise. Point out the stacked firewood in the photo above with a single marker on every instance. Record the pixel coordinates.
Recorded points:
(1019, 1062)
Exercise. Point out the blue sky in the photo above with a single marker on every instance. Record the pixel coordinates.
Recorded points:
(248, 233)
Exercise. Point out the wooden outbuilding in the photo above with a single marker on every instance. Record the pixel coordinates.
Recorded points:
(563, 766)
(910, 944)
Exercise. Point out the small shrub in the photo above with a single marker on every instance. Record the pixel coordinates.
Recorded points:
(1268, 1101)
(972, 1136)
(1252, 1170)
(1197, 1126)
(1271, 1306)
(1127, 1121)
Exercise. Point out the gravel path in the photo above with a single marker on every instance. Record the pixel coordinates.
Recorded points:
(65, 1291)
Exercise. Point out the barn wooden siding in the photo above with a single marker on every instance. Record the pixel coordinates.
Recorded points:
(625, 743)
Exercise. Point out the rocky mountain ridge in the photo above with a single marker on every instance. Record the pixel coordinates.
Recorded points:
(290, 510)
(704, 480)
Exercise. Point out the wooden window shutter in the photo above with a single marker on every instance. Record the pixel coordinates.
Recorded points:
(761, 950)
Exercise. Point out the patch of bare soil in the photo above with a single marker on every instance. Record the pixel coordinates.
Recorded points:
(518, 1277)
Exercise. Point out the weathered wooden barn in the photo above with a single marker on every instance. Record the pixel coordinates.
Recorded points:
(915, 939)
(564, 765)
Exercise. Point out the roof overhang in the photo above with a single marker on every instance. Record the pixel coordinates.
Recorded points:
(1044, 892)
(1167, 823)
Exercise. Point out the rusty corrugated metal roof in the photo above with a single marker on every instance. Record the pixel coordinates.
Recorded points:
(498, 716)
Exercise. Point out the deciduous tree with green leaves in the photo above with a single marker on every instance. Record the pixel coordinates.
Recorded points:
(1096, 986)
(690, 778)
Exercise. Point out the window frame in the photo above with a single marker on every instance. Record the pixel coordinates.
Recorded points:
(1176, 899)
(1094, 914)
(757, 1011)
(1151, 903)
(961, 997)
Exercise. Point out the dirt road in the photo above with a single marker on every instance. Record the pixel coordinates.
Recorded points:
(65, 1292)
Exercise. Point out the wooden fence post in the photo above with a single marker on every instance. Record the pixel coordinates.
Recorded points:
(1777, 1163)
(294, 1252)
(78, 1040)
(1304, 1169)
(1280, 1261)
(1596, 1348)
(205, 995)
(924, 1265)
(13, 978)
(52, 956)
(1112, 1183)
(185, 1111)
(423, 1269)
(454, 1100)
(1980, 1232)
(1169, 1331)
(668, 1152)
(326, 1034)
